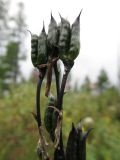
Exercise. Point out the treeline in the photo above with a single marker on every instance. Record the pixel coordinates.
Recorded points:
(101, 84)
(12, 38)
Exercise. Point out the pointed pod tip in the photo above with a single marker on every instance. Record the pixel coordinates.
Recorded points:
(73, 126)
(79, 14)
(60, 15)
(51, 16)
(87, 132)
(63, 20)
(43, 24)
(43, 29)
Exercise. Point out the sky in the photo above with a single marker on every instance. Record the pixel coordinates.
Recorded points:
(99, 32)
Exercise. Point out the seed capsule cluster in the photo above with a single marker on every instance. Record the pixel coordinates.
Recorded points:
(61, 41)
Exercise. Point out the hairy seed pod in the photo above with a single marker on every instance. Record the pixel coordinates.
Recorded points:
(71, 149)
(64, 38)
(48, 117)
(75, 39)
(52, 36)
(34, 48)
(42, 48)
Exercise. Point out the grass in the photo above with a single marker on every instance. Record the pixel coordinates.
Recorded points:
(18, 130)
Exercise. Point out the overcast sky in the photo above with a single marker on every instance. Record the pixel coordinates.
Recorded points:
(100, 32)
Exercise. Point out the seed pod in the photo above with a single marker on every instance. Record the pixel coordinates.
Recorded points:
(54, 121)
(48, 121)
(48, 117)
(81, 142)
(64, 38)
(75, 39)
(52, 36)
(42, 48)
(34, 48)
(71, 149)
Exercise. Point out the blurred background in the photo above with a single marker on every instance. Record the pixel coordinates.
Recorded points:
(93, 83)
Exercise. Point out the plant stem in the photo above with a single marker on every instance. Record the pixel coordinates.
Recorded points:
(64, 80)
(51, 63)
(57, 76)
(38, 112)
(59, 151)
(49, 79)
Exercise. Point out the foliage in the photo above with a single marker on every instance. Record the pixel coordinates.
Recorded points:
(11, 44)
(11, 60)
(86, 85)
(103, 81)
(4, 7)
(18, 133)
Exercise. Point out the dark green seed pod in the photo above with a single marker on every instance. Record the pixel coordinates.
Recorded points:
(81, 142)
(48, 120)
(71, 149)
(74, 44)
(48, 117)
(75, 39)
(34, 48)
(64, 38)
(52, 35)
(54, 120)
(42, 48)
